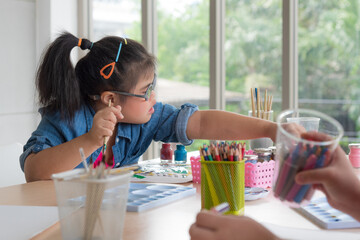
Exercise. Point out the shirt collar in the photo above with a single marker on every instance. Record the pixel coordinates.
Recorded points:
(124, 130)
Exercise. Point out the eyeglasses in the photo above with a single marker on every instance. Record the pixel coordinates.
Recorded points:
(147, 94)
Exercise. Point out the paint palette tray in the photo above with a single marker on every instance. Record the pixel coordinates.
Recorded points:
(322, 214)
(143, 196)
(254, 193)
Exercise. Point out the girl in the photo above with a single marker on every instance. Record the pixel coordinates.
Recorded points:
(110, 95)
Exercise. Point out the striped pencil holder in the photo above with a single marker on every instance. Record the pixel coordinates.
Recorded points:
(223, 181)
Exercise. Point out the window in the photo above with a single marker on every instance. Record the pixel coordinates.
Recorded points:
(183, 54)
(253, 52)
(329, 58)
(117, 18)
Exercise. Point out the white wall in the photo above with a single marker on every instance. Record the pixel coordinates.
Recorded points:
(26, 27)
(17, 67)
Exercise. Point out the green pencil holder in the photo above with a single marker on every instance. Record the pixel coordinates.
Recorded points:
(223, 181)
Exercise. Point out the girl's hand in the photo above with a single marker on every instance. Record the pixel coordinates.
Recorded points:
(294, 129)
(104, 124)
(338, 180)
(212, 226)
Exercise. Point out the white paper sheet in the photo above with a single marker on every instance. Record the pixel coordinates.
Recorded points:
(23, 222)
(302, 234)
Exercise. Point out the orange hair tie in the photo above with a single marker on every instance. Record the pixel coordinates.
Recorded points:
(112, 65)
(79, 43)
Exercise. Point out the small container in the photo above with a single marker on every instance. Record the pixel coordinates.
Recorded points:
(295, 154)
(180, 154)
(261, 142)
(223, 181)
(251, 159)
(354, 155)
(195, 169)
(91, 208)
(264, 154)
(166, 153)
(273, 152)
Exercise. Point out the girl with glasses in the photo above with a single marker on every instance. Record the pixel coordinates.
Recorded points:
(110, 94)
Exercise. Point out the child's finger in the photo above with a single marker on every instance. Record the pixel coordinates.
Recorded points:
(118, 113)
(108, 125)
(316, 136)
(112, 114)
(197, 232)
(311, 176)
(208, 219)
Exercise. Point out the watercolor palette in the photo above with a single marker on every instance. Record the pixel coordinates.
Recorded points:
(163, 173)
(144, 196)
(255, 193)
(322, 214)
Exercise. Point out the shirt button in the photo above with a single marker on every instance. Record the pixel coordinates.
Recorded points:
(117, 139)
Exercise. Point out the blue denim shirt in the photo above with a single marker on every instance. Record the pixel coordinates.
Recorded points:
(167, 124)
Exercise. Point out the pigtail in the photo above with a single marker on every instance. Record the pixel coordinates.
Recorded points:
(56, 80)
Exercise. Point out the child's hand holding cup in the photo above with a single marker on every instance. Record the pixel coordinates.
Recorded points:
(295, 154)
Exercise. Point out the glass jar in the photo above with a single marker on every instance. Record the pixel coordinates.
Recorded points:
(166, 153)
(264, 154)
(180, 154)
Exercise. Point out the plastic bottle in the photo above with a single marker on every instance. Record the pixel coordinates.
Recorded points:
(354, 155)
(180, 154)
(166, 153)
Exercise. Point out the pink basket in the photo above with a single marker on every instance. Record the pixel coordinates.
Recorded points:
(259, 174)
(196, 169)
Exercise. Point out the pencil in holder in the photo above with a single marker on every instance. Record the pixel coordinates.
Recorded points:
(223, 181)
(295, 154)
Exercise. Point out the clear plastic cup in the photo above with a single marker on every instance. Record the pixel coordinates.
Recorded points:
(91, 208)
(262, 142)
(309, 123)
(294, 154)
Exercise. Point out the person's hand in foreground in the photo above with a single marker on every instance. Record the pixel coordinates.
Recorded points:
(338, 180)
(213, 226)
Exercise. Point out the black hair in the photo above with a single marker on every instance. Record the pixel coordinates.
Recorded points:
(63, 88)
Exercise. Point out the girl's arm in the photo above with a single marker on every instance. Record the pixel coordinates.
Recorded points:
(222, 125)
(66, 156)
